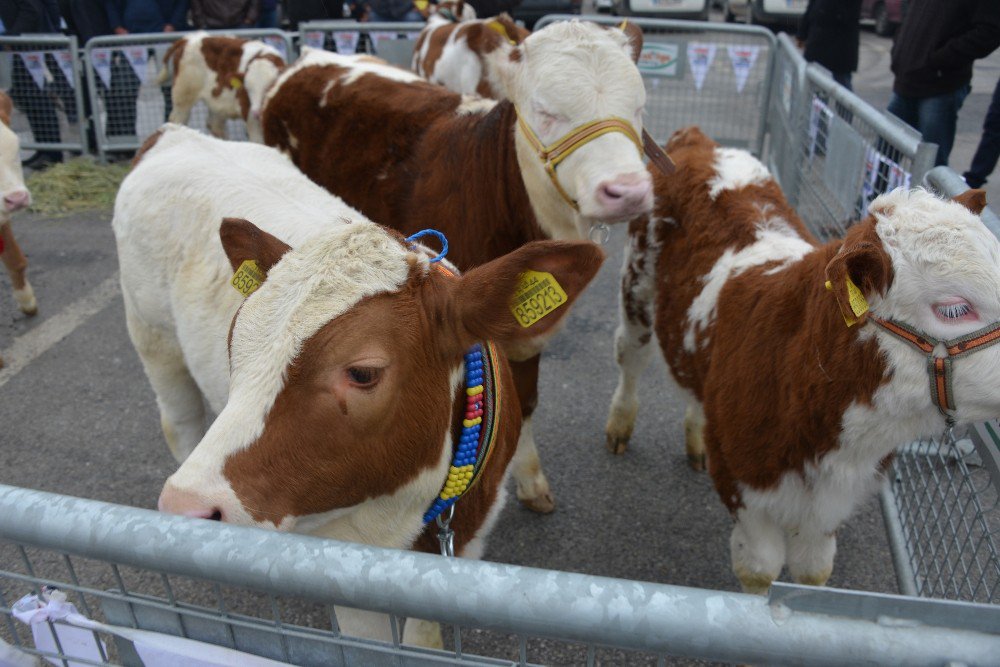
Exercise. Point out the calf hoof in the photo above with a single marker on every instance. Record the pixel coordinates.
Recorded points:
(698, 462)
(817, 579)
(617, 444)
(543, 503)
(755, 584)
(26, 300)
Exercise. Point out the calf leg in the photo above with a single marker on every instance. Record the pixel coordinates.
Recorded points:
(182, 407)
(694, 435)
(183, 97)
(633, 336)
(17, 266)
(810, 556)
(217, 124)
(532, 486)
(757, 549)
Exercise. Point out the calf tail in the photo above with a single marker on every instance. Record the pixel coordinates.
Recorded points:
(174, 54)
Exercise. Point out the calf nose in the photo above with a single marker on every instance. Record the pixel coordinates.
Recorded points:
(16, 200)
(256, 113)
(177, 501)
(626, 195)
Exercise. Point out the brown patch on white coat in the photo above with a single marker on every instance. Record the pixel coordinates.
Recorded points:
(15, 197)
(798, 414)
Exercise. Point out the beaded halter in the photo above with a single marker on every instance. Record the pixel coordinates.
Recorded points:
(482, 407)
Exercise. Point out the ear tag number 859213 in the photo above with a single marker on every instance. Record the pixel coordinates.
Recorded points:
(537, 294)
(247, 278)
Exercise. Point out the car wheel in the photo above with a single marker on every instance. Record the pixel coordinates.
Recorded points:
(883, 26)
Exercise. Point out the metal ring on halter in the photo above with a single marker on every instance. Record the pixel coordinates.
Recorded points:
(600, 233)
(446, 536)
(432, 232)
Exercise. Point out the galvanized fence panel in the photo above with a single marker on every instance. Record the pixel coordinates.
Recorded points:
(43, 77)
(392, 42)
(714, 75)
(52, 540)
(128, 103)
(841, 152)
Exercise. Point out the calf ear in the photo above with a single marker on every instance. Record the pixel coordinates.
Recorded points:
(634, 34)
(526, 293)
(243, 240)
(863, 259)
(974, 200)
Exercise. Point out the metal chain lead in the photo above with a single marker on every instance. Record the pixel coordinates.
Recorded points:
(446, 536)
(600, 233)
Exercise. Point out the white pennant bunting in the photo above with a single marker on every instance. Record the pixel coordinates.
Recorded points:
(313, 39)
(700, 57)
(346, 42)
(34, 62)
(100, 60)
(65, 61)
(279, 44)
(743, 59)
(138, 58)
(379, 37)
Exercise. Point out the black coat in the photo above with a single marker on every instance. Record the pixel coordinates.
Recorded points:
(85, 18)
(830, 30)
(938, 41)
(29, 16)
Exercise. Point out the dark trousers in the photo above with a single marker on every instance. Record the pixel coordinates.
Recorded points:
(36, 103)
(934, 117)
(988, 152)
(120, 98)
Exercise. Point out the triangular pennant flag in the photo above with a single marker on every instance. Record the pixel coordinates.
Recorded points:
(279, 44)
(138, 58)
(743, 59)
(379, 37)
(65, 61)
(346, 42)
(700, 57)
(313, 39)
(100, 60)
(34, 62)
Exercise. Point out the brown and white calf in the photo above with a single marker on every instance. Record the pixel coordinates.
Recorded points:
(455, 54)
(393, 146)
(338, 383)
(797, 412)
(228, 73)
(15, 197)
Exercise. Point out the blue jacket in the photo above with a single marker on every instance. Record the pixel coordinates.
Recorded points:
(146, 15)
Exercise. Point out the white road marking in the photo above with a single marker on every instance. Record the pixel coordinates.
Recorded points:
(34, 343)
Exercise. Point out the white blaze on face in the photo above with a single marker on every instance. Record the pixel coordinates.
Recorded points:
(12, 189)
(946, 282)
(310, 286)
(258, 73)
(564, 76)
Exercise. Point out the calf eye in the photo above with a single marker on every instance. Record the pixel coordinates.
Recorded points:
(364, 377)
(953, 311)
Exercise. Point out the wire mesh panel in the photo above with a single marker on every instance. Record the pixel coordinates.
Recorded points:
(785, 117)
(846, 153)
(129, 96)
(713, 75)
(392, 42)
(130, 572)
(42, 75)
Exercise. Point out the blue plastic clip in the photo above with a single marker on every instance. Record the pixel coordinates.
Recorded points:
(432, 232)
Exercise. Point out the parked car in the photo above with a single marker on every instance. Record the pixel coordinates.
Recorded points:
(696, 10)
(529, 11)
(776, 12)
(888, 14)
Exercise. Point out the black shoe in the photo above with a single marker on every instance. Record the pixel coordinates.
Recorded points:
(42, 160)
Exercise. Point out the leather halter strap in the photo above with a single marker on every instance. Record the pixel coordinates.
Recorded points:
(939, 368)
(563, 147)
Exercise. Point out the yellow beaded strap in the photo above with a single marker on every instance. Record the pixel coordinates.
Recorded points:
(563, 147)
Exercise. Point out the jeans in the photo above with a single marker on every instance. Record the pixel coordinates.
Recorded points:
(934, 117)
(843, 78)
(985, 159)
(268, 18)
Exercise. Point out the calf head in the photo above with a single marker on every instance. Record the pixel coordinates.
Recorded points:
(932, 266)
(561, 79)
(12, 189)
(344, 375)
(260, 71)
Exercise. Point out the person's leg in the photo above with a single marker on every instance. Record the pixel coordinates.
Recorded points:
(904, 108)
(121, 98)
(988, 151)
(268, 18)
(843, 78)
(37, 106)
(938, 117)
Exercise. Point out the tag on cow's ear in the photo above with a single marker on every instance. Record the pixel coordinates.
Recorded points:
(861, 267)
(247, 278)
(235, 83)
(857, 304)
(536, 295)
(502, 29)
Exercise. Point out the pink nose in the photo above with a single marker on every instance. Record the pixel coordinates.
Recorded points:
(625, 196)
(16, 200)
(176, 501)
(256, 113)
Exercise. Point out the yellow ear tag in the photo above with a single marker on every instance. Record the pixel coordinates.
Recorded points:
(856, 298)
(621, 26)
(235, 83)
(247, 278)
(537, 294)
(421, 5)
(500, 28)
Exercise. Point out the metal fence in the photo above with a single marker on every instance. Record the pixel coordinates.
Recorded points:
(43, 76)
(393, 42)
(128, 103)
(714, 75)
(91, 550)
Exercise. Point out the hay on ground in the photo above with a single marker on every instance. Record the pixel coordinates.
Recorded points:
(80, 184)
